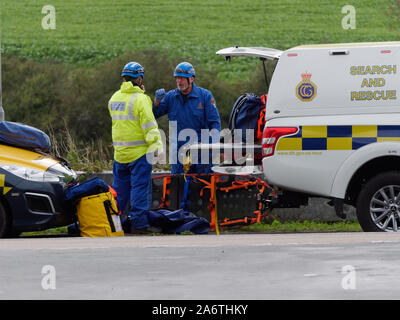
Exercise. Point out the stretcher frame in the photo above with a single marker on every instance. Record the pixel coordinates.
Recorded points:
(265, 197)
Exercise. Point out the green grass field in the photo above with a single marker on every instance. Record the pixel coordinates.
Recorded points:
(88, 32)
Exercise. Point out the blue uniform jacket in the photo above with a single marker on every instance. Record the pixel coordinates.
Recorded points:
(198, 110)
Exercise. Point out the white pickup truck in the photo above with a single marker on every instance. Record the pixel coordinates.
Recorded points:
(333, 126)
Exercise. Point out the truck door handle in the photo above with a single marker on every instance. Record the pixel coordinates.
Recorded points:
(338, 52)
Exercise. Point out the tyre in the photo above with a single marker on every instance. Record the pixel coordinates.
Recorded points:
(378, 204)
(4, 222)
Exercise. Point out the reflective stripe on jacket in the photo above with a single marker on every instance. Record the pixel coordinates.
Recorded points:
(134, 128)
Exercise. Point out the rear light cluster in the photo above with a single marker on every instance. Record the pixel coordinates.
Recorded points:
(271, 136)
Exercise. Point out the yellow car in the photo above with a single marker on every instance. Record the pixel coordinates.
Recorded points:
(32, 186)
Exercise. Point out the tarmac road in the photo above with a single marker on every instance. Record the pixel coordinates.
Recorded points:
(230, 266)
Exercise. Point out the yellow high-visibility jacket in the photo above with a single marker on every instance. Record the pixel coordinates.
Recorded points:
(134, 128)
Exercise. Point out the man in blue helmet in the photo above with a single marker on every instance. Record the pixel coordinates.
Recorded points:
(188, 107)
(135, 139)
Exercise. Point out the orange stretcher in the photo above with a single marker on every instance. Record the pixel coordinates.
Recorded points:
(265, 198)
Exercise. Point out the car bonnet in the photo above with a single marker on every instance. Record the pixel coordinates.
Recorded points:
(22, 157)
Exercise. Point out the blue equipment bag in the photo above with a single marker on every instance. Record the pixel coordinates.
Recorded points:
(245, 114)
(178, 221)
(88, 188)
(24, 136)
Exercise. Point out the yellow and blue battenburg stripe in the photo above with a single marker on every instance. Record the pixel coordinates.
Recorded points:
(2, 186)
(338, 137)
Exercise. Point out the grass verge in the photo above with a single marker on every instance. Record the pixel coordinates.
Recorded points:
(275, 226)
(61, 231)
(304, 226)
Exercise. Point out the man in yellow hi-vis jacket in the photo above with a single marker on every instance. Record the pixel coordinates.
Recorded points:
(135, 138)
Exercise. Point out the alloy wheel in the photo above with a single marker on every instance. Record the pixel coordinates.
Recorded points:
(385, 208)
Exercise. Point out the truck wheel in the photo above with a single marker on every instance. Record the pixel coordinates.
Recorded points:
(4, 222)
(378, 204)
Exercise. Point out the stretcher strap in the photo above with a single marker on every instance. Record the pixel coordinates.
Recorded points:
(166, 192)
(212, 207)
(213, 200)
(240, 185)
(185, 202)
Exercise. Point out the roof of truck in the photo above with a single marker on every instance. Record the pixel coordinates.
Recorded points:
(348, 45)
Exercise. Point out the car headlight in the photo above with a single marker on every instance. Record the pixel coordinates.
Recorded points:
(57, 173)
(61, 171)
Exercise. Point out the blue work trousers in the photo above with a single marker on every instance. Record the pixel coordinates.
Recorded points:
(133, 184)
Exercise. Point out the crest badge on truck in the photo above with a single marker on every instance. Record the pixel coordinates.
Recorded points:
(306, 90)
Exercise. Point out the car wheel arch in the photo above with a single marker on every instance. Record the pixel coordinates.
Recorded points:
(5, 218)
(353, 165)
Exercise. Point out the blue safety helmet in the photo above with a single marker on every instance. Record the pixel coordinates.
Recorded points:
(184, 69)
(133, 69)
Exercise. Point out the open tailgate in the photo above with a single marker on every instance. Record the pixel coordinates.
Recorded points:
(260, 52)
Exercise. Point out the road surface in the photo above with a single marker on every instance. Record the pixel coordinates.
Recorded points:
(203, 267)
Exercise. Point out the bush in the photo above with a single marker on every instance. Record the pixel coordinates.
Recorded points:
(30, 91)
